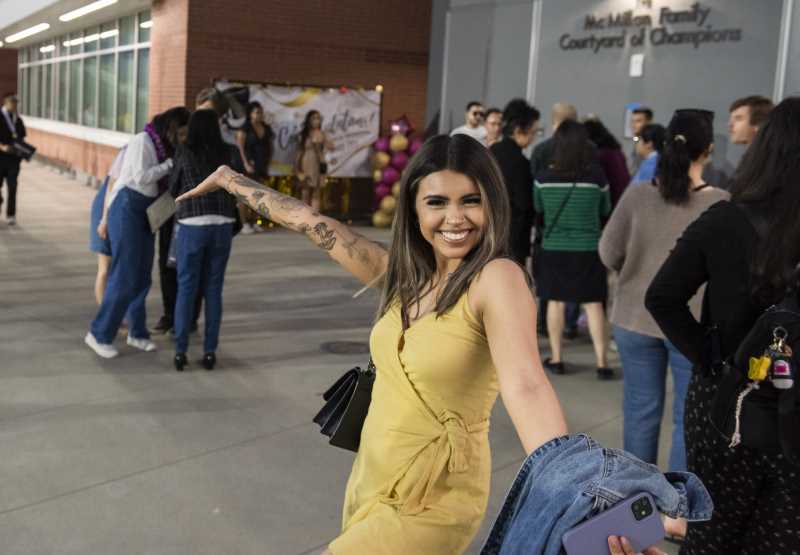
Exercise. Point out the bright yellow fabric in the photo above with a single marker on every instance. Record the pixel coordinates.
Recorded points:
(420, 481)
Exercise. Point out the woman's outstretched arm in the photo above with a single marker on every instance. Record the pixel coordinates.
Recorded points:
(363, 258)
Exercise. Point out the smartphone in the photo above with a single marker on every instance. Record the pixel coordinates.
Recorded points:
(636, 518)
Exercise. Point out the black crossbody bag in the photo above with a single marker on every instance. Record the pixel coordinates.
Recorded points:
(346, 405)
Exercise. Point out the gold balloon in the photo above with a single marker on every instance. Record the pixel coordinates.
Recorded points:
(396, 189)
(388, 204)
(377, 175)
(381, 160)
(381, 219)
(398, 143)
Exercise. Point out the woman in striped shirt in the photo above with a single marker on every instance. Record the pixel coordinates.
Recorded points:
(572, 196)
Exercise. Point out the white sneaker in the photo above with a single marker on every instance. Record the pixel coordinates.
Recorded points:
(11, 221)
(257, 228)
(248, 229)
(105, 350)
(143, 344)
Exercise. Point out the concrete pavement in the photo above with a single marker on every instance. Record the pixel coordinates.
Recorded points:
(128, 456)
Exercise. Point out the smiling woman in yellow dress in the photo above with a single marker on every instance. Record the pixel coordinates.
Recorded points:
(456, 325)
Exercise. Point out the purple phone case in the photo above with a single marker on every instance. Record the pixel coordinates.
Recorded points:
(591, 537)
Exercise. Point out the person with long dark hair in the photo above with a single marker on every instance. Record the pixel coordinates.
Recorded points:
(637, 239)
(610, 157)
(572, 196)
(255, 141)
(143, 176)
(205, 230)
(649, 145)
(520, 121)
(745, 251)
(311, 167)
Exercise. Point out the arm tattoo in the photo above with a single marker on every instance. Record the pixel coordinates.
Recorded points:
(361, 253)
(324, 238)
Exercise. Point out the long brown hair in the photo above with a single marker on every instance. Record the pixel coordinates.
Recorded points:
(412, 263)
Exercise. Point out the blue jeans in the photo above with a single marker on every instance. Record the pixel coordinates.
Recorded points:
(202, 252)
(129, 277)
(644, 364)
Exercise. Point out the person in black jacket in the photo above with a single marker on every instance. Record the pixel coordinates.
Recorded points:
(520, 121)
(11, 129)
(205, 230)
(745, 251)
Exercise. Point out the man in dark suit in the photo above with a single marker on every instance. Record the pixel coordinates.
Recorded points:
(11, 129)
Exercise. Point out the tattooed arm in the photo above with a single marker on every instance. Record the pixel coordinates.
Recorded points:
(358, 255)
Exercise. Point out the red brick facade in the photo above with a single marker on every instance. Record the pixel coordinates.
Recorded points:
(314, 42)
(8, 70)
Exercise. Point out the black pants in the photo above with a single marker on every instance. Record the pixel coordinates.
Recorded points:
(521, 237)
(756, 495)
(169, 276)
(10, 174)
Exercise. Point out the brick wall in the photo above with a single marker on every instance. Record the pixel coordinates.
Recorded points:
(75, 154)
(168, 54)
(349, 42)
(8, 70)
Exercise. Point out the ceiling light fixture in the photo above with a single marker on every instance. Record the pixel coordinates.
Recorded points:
(146, 24)
(48, 48)
(88, 8)
(109, 34)
(25, 33)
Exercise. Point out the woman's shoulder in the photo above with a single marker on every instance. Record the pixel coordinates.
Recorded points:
(498, 273)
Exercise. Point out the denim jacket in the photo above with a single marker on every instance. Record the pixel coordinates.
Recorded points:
(571, 478)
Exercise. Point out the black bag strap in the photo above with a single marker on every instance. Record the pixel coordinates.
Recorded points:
(560, 210)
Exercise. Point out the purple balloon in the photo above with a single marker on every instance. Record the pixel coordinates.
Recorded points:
(399, 160)
(390, 175)
(415, 145)
(382, 190)
(382, 144)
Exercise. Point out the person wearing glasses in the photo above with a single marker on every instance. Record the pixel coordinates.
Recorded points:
(473, 123)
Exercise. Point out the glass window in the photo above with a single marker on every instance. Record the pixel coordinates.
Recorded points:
(23, 55)
(73, 115)
(108, 80)
(127, 30)
(61, 50)
(76, 43)
(36, 77)
(47, 92)
(26, 81)
(91, 39)
(63, 91)
(89, 102)
(142, 88)
(144, 26)
(108, 35)
(125, 92)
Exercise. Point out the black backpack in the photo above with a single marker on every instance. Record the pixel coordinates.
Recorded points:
(757, 403)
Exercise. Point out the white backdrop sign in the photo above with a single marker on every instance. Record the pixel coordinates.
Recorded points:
(350, 118)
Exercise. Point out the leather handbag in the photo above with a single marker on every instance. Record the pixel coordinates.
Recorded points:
(346, 406)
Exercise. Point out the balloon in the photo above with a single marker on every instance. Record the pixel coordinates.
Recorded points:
(396, 189)
(399, 160)
(401, 125)
(382, 190)
(377, 176)
(398, 143)
(381, 160)
(415, 145)
(388, 204)
(390, 175)
(381, 219)
(382, 144)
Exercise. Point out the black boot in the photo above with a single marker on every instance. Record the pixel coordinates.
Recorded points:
(209, 360)
(180, 361)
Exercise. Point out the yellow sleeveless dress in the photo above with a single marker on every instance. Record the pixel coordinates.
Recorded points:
(420, 480)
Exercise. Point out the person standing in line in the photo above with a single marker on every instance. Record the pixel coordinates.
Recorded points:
(473, 122)
(494, 126)
(610, 157)
(98, 227)
(520, 122)
(146, 164)
(255, 143)
(573, 198)
(745, 251)
(204, 235)
(635, 243)
(541, 159)
(11, 129)
(640, 117)
(311, 167)
(649, 144)
(747, 115)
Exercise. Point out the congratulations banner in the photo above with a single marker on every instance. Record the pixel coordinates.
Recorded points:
(350, 119)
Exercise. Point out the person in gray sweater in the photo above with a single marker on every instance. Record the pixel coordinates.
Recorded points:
(637, 239)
